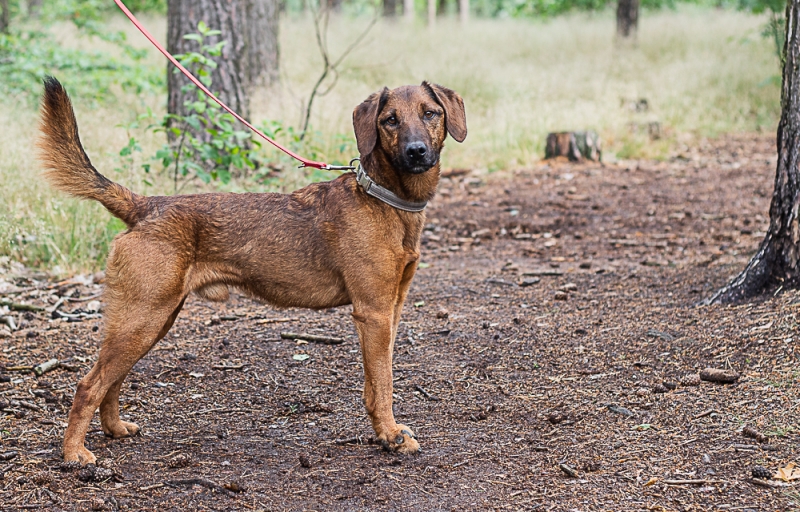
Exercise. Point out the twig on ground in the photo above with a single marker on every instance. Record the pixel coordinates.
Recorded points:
(425, 393)
(16, 306)
(328, 340)
(203, 482)
(692, 482)
(277, 320)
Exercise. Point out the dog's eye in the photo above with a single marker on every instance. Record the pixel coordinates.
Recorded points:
(429, 114)
(391, 121)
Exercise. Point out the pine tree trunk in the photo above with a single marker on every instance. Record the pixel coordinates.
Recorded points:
(389, 8)
(230, 78)
(5, 16)
(776, 264)
(627, 18)
(262, 42)
(408, 10)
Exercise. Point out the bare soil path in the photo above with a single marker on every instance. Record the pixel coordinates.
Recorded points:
(552, 316)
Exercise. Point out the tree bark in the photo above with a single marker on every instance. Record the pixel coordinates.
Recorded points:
(463, 11)
(262, 42)
(230, 78)
(431, 13)
(627, 18)
(408, 10)
(776, 264)
(5, 16)
(34, 8)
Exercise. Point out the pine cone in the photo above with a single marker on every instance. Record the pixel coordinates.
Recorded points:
(691, 379)
(754, 434)
(660, 388)
(761, 472)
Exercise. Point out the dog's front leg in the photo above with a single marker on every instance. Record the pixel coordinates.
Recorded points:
(375, 326)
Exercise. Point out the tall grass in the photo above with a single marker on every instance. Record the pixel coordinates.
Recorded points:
(702, 71)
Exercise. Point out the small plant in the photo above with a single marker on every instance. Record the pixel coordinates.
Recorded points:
(206, 144)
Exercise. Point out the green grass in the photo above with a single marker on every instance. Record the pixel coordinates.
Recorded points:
(703, 72)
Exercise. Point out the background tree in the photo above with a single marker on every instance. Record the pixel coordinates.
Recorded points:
(627, 18)
(389, 8)
(262, 41)
(249, 58)
(776, 264)
(5, 16)
(408, 10)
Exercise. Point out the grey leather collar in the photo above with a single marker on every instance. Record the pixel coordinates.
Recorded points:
(386, 195)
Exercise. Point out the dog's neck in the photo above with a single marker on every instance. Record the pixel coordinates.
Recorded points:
(410, 187)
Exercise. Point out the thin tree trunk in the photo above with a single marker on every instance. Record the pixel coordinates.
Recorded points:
(441, 10)
(431, 13)
(5, 16)
(390, 8)
(34, 8)
(776, 264)
(334, 5)
(408, 10)
(262, 42)
(230, 77)
(627, 18)
(463, 11)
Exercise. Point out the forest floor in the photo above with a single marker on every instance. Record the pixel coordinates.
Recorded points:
(552, 306)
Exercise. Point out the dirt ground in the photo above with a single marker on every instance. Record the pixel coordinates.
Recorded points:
(552, 307)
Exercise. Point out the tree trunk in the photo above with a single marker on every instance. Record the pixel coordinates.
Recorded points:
(334, 5)
(262, 42)
(408, 10)
(463, 11)
(5, 16)
(431, 13)
(776, 264)
(34, 8)
(627, 18)
(441, 10)
(230, 78)
(390, 8)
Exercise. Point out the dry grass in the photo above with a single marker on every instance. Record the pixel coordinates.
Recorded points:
(703, 72)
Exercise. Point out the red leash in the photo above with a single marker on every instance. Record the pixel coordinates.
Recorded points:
(195, 81)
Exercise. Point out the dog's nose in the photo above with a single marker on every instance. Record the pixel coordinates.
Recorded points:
(416, 150)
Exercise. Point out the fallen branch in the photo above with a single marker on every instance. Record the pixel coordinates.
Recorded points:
(692, 482)
(16, 306)
(203, 482)
(41, 369)
(327, 340)
(277, 320)
(768, 483)
(425, 393)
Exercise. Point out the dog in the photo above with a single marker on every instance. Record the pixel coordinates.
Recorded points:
(329, 244)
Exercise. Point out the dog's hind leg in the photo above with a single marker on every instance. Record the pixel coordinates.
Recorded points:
(141, 306)
(112, 425)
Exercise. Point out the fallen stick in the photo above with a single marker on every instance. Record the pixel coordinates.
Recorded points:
(203, 482)
(41, 369)
(16, 306)
(425, 393)
(768, 483)
(277, 320)
(567, 470)
(19, 368)
(9, 321)
(350, 440)
(719, 376)
(691, 482)
(327, 340)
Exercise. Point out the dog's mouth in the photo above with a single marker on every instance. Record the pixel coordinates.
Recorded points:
(416, 167)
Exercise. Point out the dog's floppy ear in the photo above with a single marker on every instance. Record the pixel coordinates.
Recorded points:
(453, 105)
(365, 121)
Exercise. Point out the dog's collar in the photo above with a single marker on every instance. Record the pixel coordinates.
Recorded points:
(386, 195)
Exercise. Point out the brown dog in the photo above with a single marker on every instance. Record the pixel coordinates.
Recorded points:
(328, 244)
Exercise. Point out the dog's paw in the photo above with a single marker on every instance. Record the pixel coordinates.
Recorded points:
(402, 440)
(81, 456)
(121, 429)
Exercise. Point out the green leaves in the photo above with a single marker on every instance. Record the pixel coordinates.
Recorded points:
(206, 145)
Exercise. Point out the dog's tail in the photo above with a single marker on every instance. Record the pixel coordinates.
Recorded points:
(66, 165)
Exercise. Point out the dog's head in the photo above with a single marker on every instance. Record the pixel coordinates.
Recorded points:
(409, 125)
